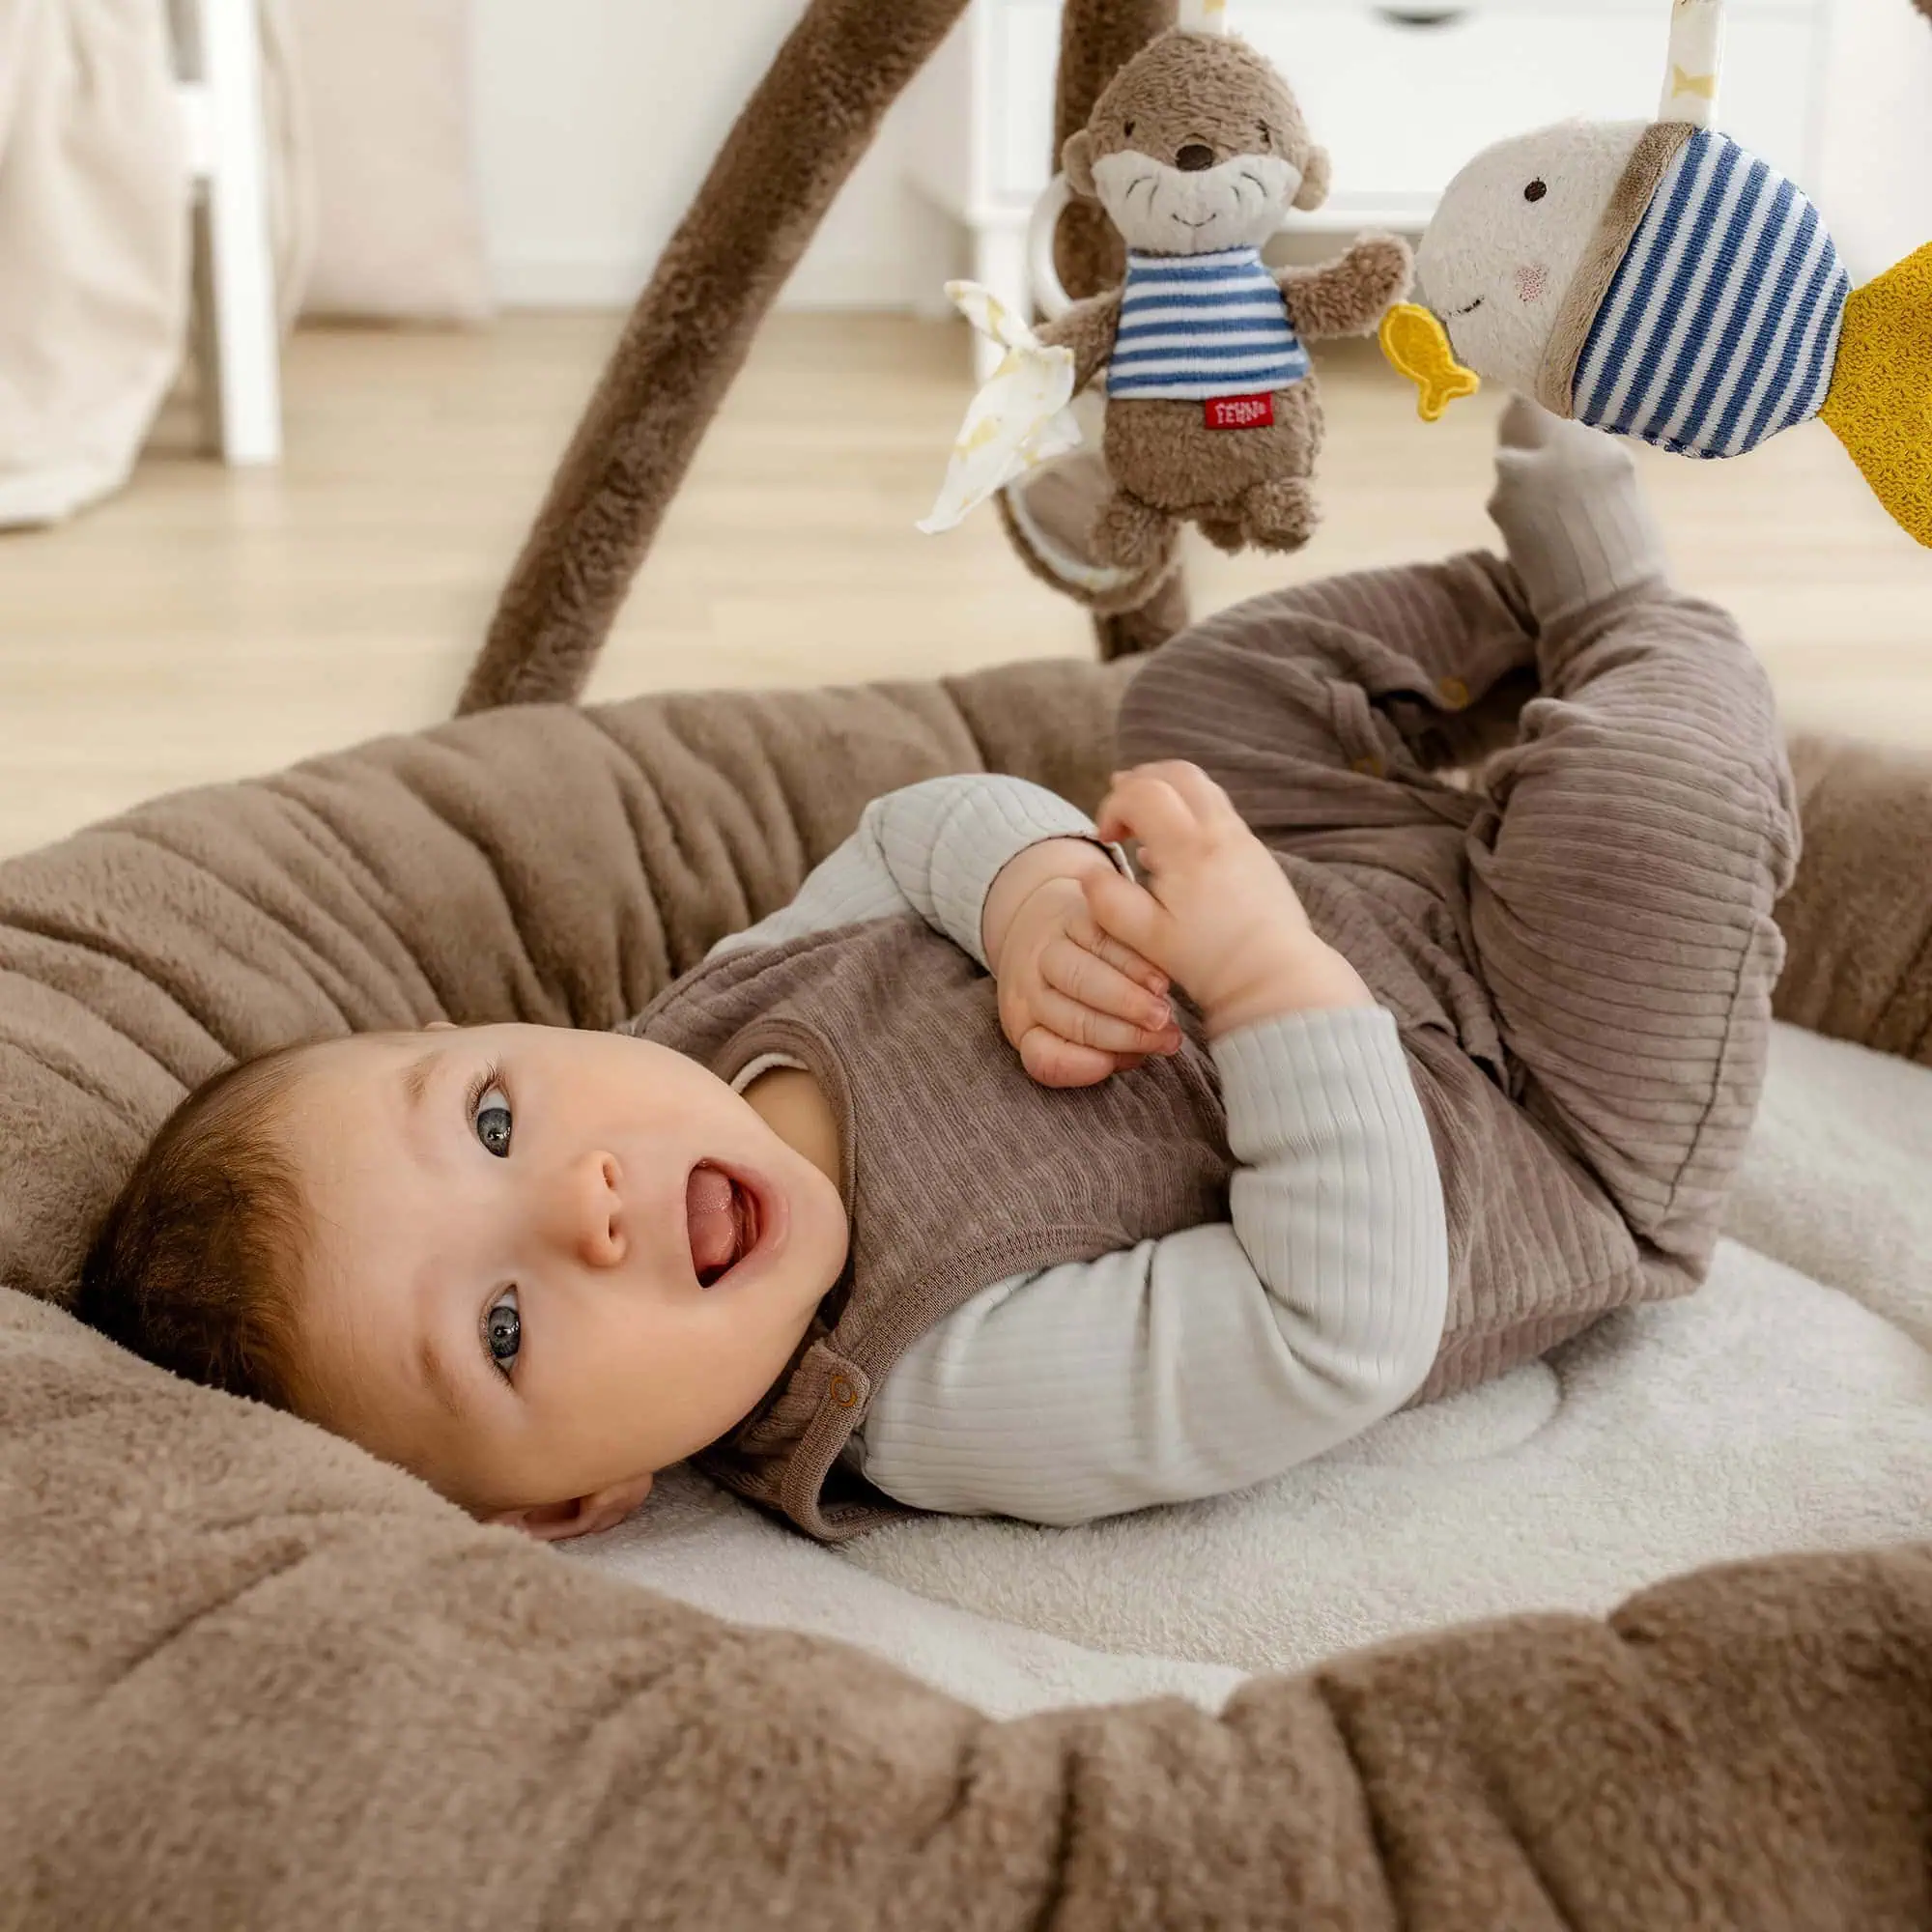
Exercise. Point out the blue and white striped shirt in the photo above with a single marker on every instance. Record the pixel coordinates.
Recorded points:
(1721, 325)
(1196, 326)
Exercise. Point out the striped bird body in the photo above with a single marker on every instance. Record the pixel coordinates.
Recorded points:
(1194, 327)
(1720, 326)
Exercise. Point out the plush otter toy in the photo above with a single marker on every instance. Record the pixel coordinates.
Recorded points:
(1197, 152)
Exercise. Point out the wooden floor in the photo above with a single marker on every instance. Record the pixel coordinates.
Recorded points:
(207, 624)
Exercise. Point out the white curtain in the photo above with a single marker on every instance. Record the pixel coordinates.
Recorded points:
(94, 247)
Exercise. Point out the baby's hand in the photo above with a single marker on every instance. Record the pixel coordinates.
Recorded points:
(1217, 914)
(1077, 1004)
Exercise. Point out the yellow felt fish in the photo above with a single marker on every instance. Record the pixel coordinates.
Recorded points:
(1418, 345)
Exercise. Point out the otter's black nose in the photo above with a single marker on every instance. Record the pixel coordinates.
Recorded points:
(1193, 158)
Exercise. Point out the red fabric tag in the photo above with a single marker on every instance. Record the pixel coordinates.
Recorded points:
(1241, 411)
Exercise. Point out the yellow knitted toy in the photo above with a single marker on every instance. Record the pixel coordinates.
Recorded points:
(1880, 402)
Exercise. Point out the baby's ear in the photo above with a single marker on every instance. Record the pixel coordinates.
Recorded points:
(1077, 158)
(581, 1516)
(1315, 178)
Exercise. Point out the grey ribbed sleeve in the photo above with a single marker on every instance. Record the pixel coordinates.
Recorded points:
(934, 849)
(1220, 1355)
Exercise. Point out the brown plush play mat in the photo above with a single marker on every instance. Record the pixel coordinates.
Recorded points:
(250, 1676)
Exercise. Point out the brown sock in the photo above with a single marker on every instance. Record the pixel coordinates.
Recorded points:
(1572, 514)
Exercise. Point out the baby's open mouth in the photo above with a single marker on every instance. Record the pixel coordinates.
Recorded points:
(723, 1220)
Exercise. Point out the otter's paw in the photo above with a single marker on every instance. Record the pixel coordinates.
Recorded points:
(1279, 516)
(1384, 267)
(1131, 534)
(1224, 533)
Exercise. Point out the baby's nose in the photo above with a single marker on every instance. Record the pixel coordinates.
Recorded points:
(1193, 158)
(590, 1225)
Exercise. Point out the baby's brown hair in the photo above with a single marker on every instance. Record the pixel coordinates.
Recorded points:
(197, 1266)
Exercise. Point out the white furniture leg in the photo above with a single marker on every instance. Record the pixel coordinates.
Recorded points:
(1000, 264)
(243, 360)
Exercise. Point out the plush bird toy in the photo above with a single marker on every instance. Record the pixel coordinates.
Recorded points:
(1198, 152)
(1654, 279)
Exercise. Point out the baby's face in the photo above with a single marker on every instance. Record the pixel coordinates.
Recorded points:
(546, 1263)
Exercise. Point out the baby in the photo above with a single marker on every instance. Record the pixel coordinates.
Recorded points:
(988, 1176)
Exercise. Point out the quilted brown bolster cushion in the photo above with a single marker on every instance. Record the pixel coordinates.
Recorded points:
(537, 863)
(250, 1677)
(1858, 920)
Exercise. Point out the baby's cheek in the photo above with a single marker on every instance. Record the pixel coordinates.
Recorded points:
(1532, 281)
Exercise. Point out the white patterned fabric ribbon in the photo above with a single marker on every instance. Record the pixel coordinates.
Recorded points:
(1019, 418)
(1696, 57)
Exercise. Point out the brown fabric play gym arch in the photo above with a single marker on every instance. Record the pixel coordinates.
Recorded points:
(252, 1678)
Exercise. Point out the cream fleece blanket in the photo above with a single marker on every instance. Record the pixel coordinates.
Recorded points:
(1788, 1406)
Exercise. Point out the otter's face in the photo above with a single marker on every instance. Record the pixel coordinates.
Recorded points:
(1198, 145)
(1192, 206)
(1508, 238)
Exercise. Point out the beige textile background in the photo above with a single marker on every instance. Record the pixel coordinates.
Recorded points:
(94, 253)
(385, 85)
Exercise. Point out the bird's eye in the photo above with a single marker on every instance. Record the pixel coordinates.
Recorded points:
(1536, 191)
(1127, 131)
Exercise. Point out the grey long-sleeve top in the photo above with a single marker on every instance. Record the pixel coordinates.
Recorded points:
(1184, 1366)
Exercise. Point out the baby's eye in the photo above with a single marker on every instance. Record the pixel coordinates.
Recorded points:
(493, 1121)
(503, 1330)
(1536, 191)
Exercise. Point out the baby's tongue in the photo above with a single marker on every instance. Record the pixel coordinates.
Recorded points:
(709, 1208)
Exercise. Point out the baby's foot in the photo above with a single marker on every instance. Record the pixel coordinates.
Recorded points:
(1572, 514)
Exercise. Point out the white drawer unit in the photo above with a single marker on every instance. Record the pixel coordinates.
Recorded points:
(1401, 95)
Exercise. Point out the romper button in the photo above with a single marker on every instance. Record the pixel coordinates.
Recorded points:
(843, 1392)
(1368, 767)
(1454, 693)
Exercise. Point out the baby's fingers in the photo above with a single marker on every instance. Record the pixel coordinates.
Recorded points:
(1090, 1026)
(1131, 914)
(1055, 1062)
(1122, 959)
(1143, 808)
(1073, 965)
(1170, 800)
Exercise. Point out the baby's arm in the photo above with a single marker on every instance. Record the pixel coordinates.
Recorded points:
(1221, 1355)
(933, 849)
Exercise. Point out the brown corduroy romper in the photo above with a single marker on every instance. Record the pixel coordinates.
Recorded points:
(1578, 945)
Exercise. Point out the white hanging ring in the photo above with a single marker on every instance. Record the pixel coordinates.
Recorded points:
(1050, 296)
